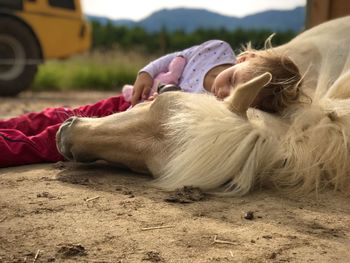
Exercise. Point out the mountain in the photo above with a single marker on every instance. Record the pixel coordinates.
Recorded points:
(191, 19)
(186, 19)
(276, 20)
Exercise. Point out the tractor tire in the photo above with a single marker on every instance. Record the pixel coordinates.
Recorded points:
(19, 57)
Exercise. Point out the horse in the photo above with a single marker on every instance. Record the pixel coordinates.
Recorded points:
(226, 147)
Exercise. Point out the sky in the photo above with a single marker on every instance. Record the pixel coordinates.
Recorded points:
(139, 9)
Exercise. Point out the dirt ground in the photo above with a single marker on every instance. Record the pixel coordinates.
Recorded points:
(67, 212)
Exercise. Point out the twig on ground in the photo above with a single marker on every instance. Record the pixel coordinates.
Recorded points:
(155, 227)
(36, 255)
(92, 198)
(218, 241)
(3, 219)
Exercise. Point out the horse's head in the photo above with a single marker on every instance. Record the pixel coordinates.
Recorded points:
(138, 137)
(125, 138)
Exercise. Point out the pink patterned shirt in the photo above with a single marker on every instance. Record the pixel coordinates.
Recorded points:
(200, 59)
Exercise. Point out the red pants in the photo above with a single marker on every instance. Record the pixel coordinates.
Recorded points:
(30, 138)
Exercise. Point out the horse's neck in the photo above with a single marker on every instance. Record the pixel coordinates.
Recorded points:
(327, 46)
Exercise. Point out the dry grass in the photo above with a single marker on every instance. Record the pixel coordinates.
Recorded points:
(97, 70)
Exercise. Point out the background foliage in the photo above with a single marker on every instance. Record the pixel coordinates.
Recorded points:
(109, 35)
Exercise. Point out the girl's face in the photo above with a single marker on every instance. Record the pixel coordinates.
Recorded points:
(229, 79)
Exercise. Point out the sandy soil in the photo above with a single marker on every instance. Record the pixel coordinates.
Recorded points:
(66, 212)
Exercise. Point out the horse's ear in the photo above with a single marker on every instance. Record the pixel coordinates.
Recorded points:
(243, 96)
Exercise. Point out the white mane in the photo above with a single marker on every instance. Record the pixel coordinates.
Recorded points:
(218, 148)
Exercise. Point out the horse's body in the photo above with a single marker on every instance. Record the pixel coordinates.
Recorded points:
(192, 139)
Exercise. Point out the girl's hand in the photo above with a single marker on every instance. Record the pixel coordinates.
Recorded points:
(223, 83)
(153, 97)
(142, 88)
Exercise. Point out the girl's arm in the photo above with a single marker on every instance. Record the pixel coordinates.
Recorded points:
(144, 81)
(160, 65)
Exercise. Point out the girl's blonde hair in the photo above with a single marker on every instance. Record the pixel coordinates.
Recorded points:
(285, 87)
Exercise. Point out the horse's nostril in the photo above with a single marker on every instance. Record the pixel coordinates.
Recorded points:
(62, 140)
(69, 121)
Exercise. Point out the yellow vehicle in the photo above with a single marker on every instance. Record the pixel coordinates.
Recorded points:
(32, 31)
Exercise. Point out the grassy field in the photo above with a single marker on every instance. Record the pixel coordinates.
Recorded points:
(97, 70)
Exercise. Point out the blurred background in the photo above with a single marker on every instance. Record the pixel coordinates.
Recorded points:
(60, 45)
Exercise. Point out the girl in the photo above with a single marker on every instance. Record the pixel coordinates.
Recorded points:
(203, 64)
(210, 67)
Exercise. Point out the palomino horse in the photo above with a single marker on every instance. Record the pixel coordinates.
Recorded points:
(223, 146)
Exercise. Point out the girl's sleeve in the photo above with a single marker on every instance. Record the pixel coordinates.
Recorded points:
(159, 65)
(162, 64)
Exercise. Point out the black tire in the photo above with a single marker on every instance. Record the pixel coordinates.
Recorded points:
(19, 57)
